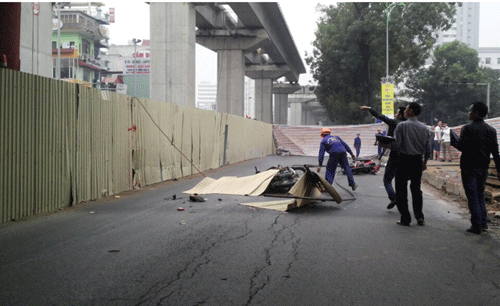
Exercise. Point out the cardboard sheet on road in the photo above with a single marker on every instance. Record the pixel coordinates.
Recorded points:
(252, 185)
(310, 185)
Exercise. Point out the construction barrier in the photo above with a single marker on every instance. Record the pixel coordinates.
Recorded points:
(65, 143)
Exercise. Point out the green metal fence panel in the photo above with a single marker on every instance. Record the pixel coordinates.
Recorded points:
(84, 147)
(121, 164)
(65, 143)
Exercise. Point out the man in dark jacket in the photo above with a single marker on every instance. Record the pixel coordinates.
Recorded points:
(477, 141)
(390, 168)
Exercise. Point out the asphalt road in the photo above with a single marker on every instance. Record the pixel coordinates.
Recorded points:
(139, 250)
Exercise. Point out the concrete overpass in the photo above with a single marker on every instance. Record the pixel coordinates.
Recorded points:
(305, 108)
(251, 39)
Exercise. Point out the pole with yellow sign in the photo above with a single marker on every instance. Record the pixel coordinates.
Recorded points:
(388, 100)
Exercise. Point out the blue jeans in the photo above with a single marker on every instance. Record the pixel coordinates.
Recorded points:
(381, 151)
(474, 181)
(389, 174)
(331, 167)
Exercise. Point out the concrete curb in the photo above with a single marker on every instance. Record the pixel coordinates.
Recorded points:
(448, 185)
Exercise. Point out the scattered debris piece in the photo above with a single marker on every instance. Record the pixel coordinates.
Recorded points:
(174, 197)
(196, 198)
(114, 251)
(180, 209)
(220, 199)
(182, 222)
(92, 212)
(117, 196)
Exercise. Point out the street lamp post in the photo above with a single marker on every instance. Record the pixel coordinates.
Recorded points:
(135, 41)
(388, 15)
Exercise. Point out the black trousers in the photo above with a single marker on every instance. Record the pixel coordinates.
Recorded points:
(409, 168)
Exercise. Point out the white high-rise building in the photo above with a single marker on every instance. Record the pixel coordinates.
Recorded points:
(249, 99)
(466, 26)
(206, 96)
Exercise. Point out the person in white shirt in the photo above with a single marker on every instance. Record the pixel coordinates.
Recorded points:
(445, 141)
(437, 140)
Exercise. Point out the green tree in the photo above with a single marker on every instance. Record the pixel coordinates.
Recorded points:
(349, 52)
(442, 88)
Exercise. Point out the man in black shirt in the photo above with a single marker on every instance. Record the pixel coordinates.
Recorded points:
(477, 141)
(390, 168)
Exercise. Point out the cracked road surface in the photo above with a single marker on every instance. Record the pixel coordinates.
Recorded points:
(140, 250)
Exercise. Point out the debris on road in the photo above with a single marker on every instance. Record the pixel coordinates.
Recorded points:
(180, 209)
(196, 198)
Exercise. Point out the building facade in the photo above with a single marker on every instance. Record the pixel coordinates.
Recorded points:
(80, 36)
(466, 26)
(26, 31)
(489, 57)
(130, 65)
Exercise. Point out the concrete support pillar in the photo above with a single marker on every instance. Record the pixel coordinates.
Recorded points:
(307, 116)
(231, 82)
(295, 113)
(281, 92)
(264, 100)
(173, 52)
(281, 108)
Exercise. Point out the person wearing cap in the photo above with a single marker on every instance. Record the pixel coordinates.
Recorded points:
(390, 167)
(357, 144)
(380, 148)
(337, 149)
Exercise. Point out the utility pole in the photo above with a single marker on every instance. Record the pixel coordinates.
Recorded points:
(58, 69)
(135, 41)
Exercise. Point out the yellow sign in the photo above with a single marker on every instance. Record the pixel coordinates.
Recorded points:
(388, 100)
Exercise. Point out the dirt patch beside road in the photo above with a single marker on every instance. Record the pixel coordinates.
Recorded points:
(446, 179)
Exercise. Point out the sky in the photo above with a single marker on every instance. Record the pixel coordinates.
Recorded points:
(132, 21)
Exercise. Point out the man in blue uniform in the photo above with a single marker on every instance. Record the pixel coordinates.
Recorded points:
(337, 149)
(357, 144)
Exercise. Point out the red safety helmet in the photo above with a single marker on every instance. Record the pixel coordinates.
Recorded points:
(325, 131)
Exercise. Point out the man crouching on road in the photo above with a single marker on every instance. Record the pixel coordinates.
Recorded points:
(412, 141)
(337, 149)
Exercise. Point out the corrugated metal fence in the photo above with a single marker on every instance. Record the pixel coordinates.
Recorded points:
(64, 143)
